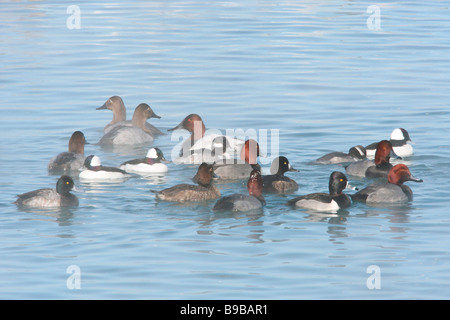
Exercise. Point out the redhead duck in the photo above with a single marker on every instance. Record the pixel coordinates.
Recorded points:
(277, 181)
(73, 159)
(95, 171)
(242, 167)
(399, 139)
(378, 168)
(355, 153)
(393, 191)
(204, 190)
(42, 198)
(242, 202)
(116, 105)
(134, 134)
(332, 201)
(152, 163)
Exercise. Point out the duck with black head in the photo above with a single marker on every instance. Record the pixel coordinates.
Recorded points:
(95, 171)
(277, 182)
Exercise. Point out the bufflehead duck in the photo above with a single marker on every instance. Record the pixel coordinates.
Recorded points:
(242, 167)
(355, 153)
(242, 202)
(116, 105)
(216, 152)
(393, 191)
(137, 133)
(42, 198)
(204, 190)
(152, 163)
(73, 159)
(277, 181)
(377, 168)
(96, 172)
(194, 124)
(399, 139)
(332, 201)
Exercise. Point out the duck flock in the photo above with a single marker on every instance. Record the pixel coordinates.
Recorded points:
(221, 157)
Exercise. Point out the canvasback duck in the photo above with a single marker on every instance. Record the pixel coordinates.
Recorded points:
(95, 171)
(277, 181)
(44, 198)
(332, 201)
(134, 134)
(152, 163)
(377, 168)
(199, 140)
(116, 105)
(204, 190)
(355, 153)
(239, 168)
(73, 159)
(393, 191)
(237, 202)
(399, 139)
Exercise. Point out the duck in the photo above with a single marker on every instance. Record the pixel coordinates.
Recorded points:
(216, 152)
(152, 163)
(71, 160)
(95, 171)
(333, 201)
(378, 168)
(277, 181)
(199, 140)
(230, 169)
(399, 139)
(116, 105)
(356, 153)
(393, 191)
(237, 202)
(137, 133)
(47, 198)
(203, 190)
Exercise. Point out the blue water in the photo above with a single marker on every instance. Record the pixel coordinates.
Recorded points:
(317, 71)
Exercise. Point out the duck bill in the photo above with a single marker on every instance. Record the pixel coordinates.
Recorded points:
(154, 115)
(180, 126)
(292, 169)
(415, 179)
(393, 155)
(102, 107)
(350, 187)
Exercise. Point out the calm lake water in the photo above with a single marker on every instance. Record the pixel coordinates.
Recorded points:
(327, 75)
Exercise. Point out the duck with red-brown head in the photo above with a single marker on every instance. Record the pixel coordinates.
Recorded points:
(73, 159)
(393, 191)
(237, 202)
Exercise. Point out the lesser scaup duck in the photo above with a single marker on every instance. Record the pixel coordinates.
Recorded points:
(377, 168)
(204, 190)
(95, 171)
(152, 163)
(393, 191)
(73, 159)
(355, 153)
(332, 201)
(277, 181)
(399, 139)
(116, 105)
(241, 168)
(137, 133)
(237, 202)
(194, 124)
(43, 198)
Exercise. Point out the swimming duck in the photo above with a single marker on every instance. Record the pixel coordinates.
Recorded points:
(355, 153)
(393, 191)
(277, 181)
(242, 202)
(198, 140)
(242, 167)
(59, 197)
(378, 168)
(73, 159)
(96, 172)
(332, 201)
(399, 139)
(152, 163)
(204, 190)
(116, 105)
(216, 152)
(137, 133)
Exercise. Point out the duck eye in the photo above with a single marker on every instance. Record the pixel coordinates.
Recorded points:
(341, 180)
(67, 182)
(285, 163)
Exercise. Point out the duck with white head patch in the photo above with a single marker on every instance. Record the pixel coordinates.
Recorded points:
(151, 164)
